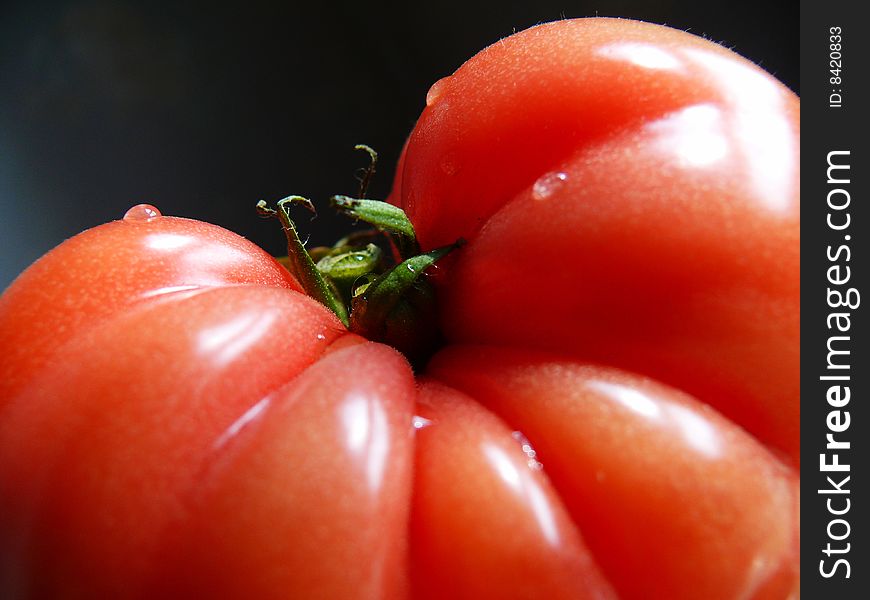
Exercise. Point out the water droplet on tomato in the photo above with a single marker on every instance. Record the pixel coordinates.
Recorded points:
(321, 337)
(436, 91)
(142, 212)
(526, 446)
(449, 166)
(547, 184)
(435, 273)
(420, 422)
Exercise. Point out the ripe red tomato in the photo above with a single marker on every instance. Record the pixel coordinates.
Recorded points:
(614, 412)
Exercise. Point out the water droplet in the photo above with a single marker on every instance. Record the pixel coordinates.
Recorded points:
(142, 212)
(411, 268)
(321, 337)
(420, 422)
(547, 184)
(449, 166)
(436, 91)
(526, 446)
(435, 273)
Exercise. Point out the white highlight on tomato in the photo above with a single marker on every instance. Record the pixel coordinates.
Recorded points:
(697, 431)
(224, 343)
(366, 436)
(642, 55)
(522, 482)
(762, 136)
(695, 136)
(692, 427)
(168, 241)
(240, 423)
(630, 398)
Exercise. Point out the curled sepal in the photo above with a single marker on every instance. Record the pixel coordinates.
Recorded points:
(298, 260)
(369, 171)
(390, 219)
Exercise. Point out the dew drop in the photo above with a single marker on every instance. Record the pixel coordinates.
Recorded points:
(142, 212)
(436, 91)
(420, 422)
(449, 166)
(526, 446)
(435, 273)
(547, 184)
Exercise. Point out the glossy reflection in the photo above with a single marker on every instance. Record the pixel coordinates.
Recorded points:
(695, 136)
(697, 431)
(762, 135)
(171, 289)
(366, 436)
(642, 55)
(168, 241)
(692, 427)
(521, 482)
(214, 258)
(748, 124)
(247, 417)
(186, 252)
(225, 342)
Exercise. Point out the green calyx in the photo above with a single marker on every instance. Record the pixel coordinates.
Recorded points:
(383, 296)
(389, 219)
(298, 260)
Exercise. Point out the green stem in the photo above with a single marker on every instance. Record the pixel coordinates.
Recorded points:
(375, 301)
(397, 305)
(302, 266)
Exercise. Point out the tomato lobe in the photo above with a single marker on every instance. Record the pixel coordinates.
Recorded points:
(617, 382)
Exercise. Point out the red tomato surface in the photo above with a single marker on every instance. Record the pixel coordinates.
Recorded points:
(614, 413)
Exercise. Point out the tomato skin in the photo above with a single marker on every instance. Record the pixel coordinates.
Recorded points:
(178, 420)
(485, 524)
(641, 213)
(101, 453)
(110, 268)
(326, 463)
(632, 459)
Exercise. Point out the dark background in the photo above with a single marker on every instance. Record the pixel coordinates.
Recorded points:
(203, 109)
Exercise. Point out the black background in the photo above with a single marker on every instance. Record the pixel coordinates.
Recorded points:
(203, 109)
